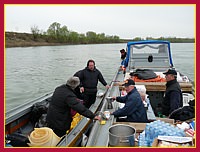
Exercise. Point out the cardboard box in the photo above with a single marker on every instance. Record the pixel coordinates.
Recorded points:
(141, 126)
(173, 141)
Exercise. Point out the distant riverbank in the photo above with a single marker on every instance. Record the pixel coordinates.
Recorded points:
(14, 39)
(21, 43)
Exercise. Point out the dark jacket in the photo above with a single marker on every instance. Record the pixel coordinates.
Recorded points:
(173, 97)
(133, 109)
(77, 89)
(89, 79)
(183, 114)
(59, 112)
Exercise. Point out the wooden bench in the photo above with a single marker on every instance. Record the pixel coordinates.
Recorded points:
(160, 86)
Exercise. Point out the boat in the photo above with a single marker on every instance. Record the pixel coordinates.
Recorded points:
(153, 55)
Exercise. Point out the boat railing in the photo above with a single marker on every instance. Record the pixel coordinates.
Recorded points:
(21, 110)
(99, 133)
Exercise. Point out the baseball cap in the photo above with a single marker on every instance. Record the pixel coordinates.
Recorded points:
(171, 71)
(128, 83)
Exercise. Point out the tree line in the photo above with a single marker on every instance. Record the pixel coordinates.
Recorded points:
(170, 39)
(61, 34)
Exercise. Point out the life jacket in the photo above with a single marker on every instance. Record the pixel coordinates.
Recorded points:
(157, 79)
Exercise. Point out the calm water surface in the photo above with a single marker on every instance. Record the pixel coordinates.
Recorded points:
(34, 71)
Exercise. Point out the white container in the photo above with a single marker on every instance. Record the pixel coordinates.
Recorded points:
(186, 98)
(106, 114)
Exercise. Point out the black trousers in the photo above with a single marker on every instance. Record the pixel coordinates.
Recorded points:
(89, 98)
(58, 132)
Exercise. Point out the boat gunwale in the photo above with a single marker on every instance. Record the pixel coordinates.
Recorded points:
(23, 109)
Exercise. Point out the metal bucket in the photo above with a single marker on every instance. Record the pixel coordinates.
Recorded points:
(121, 135)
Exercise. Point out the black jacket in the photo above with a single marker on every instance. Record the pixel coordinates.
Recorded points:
(59, 112)
(173, 97)
(89, 79)
(77, 89)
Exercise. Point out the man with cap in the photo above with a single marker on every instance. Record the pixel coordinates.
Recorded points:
(134, 108)
(59, 116)
(173, 98)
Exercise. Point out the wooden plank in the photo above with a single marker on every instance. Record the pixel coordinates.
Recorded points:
(159, 86)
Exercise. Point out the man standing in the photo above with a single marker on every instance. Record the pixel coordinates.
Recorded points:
(89, 78)
(123, 62)
(59, 116)
(134, 107)
(123, 54)
(173, 98)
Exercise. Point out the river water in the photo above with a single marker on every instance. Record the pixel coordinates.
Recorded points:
(32, 72)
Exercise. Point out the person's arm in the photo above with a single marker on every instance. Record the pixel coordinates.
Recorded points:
(101, 79)
(81, 76)
(121, 99)
(174, 100)
(129, 108)
(79, 107)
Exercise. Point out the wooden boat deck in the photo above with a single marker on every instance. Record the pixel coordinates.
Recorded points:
(160, 86)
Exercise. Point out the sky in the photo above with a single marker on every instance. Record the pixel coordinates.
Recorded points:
(126, 21)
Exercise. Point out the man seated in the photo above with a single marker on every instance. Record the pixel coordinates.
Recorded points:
(133, 108)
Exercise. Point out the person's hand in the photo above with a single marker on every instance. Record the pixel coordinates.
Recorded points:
(81, 89)
(114, 98)
(97, 118)
(107, 86)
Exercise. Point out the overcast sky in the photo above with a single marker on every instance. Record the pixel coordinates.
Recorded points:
(125, 21)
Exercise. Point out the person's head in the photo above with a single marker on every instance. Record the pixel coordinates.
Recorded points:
(129, 85)
(142, 92)
(73, 82)
(91, 64)
(123, 54)
(170, 74)
(122, 51)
